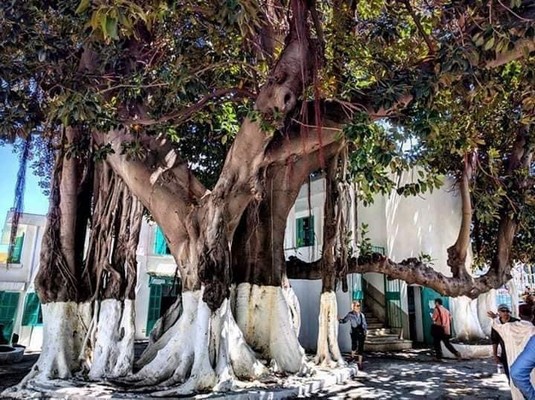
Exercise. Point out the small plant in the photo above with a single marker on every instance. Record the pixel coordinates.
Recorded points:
(425, 258)
(365, 244)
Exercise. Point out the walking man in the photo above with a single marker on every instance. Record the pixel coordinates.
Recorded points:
(441, 330)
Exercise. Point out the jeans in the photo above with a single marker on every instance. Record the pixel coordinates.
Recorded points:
(521, 370)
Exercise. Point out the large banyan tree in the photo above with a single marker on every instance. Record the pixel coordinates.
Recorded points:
(211, 116)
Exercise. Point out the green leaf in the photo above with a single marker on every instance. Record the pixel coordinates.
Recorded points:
(111, 27)
(489, 43)
(83, 6)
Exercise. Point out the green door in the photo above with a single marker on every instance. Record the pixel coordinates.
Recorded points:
(155, 300)
(393, 310)
(8, 311)
(428, 304)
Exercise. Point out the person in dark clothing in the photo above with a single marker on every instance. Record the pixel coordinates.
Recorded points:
(359, 328)
(498, 347)
(441, 330)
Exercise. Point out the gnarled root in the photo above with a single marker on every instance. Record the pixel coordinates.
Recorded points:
(264, 315)
(203, 351)
(64, 329)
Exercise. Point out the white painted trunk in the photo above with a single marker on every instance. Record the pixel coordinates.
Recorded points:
(515, 335)
(113, 354)
(264, 315)
(203, 350)
(65, 325)
(328, 352)
(295, 310)
(486, 302)
(465, 314)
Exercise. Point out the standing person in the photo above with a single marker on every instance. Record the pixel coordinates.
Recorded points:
(504, 317)
(359, 328)
(441, 330)
(519, 340)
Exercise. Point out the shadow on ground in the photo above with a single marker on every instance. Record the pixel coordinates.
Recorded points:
(410, 374)
(415, 374)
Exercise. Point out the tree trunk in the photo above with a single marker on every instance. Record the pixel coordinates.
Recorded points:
(116, 224)
(62, 288)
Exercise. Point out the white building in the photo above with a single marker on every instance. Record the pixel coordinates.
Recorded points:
(19, 306)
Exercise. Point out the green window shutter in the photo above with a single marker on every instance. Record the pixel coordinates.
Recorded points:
(8, 310)
(155, 300)
(32, 311)
(17, 249)
(305, 231)
(160, 245)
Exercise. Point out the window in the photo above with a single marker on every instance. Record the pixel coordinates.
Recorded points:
(16, 246)
(32, 311)
(8, 311)
(17, 250)
(305, 231)
(160, 244)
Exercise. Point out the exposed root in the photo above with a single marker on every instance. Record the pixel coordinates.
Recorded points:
(328, 353)
(64, 329)
(264, 316)
(203, 351)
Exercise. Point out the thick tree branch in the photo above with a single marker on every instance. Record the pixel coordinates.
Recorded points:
(411, 271)
(172, 187)
(458, 252)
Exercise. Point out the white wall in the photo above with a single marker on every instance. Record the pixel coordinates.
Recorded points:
(308, 293)
(428, 224)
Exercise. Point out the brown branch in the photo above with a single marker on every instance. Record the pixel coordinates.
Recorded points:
(412, 271)
(182, 115)
(163, 183)
(458, 252)
(416, 19)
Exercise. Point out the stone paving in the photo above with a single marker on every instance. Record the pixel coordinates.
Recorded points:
(411, 374)
(414, 374)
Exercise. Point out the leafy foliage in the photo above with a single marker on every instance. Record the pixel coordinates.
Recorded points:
(187, 70)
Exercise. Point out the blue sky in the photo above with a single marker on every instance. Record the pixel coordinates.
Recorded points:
(35, 201)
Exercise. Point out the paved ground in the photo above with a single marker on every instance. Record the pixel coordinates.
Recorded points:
(404, 375)
(415, 375)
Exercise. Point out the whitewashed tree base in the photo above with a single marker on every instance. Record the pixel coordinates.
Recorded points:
(264, 315)
(113, 354)
(203, 351)
(328, 352)
(64, 329)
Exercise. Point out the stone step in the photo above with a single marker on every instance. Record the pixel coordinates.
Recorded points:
(376, 326)
(373, 320)
(384, 337)
(382, 333)
(391, 345)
